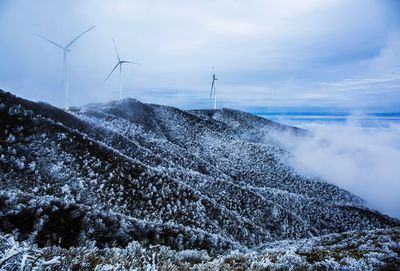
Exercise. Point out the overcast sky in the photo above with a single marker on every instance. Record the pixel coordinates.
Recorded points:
(335, 54)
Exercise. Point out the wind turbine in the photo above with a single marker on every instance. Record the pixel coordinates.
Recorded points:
(119, 63)
(65, 62)
(214, 78)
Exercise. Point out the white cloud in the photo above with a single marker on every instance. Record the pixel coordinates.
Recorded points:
(256, 42)
(389, 56)
(364, 161)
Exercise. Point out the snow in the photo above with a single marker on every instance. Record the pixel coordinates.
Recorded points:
(183, 181)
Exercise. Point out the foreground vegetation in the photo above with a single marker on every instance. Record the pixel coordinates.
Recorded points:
(355, 250)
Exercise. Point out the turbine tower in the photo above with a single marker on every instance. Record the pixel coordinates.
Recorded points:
(214, 78)
(66, 50)
(119, 63)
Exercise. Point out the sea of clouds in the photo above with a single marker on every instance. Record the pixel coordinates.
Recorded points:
(362, 160)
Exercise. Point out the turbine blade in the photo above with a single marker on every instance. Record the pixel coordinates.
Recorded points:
(112, 71)
(130, 62)
(116, 51)
(69, 44)
(212, 88)
(52, 42)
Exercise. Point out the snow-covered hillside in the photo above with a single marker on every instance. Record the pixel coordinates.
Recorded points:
(107, 175)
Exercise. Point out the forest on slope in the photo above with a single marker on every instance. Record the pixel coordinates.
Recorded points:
(107, 176)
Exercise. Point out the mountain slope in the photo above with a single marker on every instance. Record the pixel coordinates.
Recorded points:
(128, 171)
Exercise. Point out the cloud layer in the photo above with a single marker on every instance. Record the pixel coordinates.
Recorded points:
(364, 161)
(266, 53)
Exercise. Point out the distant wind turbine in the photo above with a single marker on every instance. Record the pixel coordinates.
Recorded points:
(65, 62)
(119, 63)
(214, 78)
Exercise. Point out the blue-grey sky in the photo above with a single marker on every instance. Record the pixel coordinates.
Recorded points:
(333, 54)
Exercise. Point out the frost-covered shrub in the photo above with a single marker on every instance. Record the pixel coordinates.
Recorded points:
(21, 256)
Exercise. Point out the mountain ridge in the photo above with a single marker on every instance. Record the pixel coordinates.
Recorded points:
(196, 179)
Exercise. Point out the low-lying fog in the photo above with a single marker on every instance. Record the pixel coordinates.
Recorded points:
(362, 160)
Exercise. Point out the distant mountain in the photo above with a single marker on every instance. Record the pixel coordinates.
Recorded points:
(109, 174)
